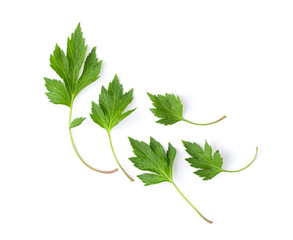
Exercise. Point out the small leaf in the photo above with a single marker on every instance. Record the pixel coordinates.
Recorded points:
(76, 122)
(57, 92)
(112, 103)
(168, 108)
(153, 158)
(150, 179)
(98, 115)
(208, 165)
(203, 160)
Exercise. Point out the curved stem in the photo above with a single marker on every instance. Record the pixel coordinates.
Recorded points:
(77, 153)
(191, 203)
(204, 124)
(110, 140)
(245, 166)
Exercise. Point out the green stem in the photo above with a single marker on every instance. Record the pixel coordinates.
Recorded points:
(245, 166)
(110, 140)
(203, 124)
(77, 153)
(191, 203)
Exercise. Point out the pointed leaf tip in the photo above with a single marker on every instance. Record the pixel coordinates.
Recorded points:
(76, 122)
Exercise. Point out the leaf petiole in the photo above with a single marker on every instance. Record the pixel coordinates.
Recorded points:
(233, 171)
(207, 220)
(77, 153)
(204, 124)
(110, 140)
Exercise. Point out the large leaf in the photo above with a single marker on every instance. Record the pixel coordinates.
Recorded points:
(68, 67)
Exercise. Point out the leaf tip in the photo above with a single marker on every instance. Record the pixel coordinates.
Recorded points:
(78, 28)
(184, 143)
(116, 78)
(131, 140)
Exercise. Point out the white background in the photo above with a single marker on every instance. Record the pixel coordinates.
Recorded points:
(221, 57)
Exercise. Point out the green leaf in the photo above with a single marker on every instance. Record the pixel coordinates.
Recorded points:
(91, 71)
(68, 67)
(98, 115)
(209, 165)
(110, 110)
(76, 50)
(57, 92)
(171, 153)
(168, 108)
(112, 103)
(59, 64)
(153, 158)
(76, 122)
(149, 178)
